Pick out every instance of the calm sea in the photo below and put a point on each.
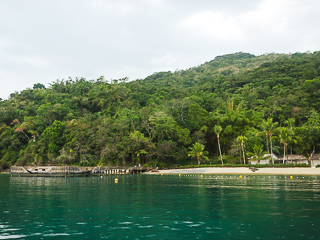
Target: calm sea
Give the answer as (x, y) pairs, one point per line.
(160, 207)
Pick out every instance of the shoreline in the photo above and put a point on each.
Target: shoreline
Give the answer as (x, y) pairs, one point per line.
(236, 170)
(243, 170)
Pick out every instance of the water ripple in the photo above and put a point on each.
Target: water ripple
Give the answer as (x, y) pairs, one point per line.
(5, 236)
(160, 207)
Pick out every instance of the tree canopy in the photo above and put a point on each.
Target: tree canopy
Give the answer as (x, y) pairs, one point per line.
(155, 120)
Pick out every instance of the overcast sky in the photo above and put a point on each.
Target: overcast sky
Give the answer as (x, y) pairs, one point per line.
(42, 41)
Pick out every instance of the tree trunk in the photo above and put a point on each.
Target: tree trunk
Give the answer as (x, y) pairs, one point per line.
(311, 161)
(25, 134)
(198, 157)
(244, 159)
(271, 153)
(267, 143)
(220, 151)
(284, 153)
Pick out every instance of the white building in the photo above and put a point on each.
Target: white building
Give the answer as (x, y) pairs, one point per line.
(267, 159)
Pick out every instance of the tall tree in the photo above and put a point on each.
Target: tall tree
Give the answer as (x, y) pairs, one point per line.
(285, 137)
(308, 136)
(242, 140)
(54, 137)
(290, 124)
(308, 140)
(217, 129)
(268, 127)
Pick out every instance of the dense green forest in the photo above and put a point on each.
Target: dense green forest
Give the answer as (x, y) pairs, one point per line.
(247, 105)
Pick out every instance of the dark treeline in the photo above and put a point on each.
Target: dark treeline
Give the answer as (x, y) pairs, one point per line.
(251, 104)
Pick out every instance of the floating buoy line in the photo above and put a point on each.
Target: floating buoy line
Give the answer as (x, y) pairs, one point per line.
(239, 176)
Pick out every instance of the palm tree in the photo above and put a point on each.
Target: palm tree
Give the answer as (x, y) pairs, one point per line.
(285, 137)
(242, 139)
(290, 124)
(197, 151)
(217, 129)
(230, 106)
(257, 154)
(268, 128)
(139, 155)
(271, 126)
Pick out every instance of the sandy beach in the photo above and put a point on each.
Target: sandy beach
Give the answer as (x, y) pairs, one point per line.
(225, 170)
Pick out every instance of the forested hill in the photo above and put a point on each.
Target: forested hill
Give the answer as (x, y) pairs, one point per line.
(158, 120)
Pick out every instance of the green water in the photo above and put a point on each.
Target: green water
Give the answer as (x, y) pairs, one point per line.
(160, 207)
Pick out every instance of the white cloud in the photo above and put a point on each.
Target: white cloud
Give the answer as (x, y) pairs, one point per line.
(34, 61)
(44, 41)
(11, 82)
(121, 7)
(165, 59)
(213, 24)
(4, 42)
(271, 15)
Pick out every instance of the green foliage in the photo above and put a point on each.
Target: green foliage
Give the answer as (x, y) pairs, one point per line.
(197, 151)
(286, 136)
(217, 129)
(53, 138)
(155, 120)
(38, 86)
(242, 140)
(257, 153)
(308, 139)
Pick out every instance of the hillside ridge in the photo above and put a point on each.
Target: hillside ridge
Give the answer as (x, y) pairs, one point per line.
(156, 120)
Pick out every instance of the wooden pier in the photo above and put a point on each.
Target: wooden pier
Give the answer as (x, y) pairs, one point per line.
(120, 170)
(73, 171)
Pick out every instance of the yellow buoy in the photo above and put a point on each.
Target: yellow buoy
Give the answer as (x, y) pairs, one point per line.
(116, 180)
(161, 174)
(202, 176)
(179, 175)
(240, 176)
(291, 177)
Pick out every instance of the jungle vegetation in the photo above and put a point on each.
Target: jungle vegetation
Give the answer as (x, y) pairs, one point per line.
(235, 105)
